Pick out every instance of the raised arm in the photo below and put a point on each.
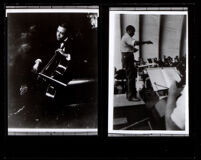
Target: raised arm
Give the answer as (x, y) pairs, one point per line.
(143, 42)
(173, 93)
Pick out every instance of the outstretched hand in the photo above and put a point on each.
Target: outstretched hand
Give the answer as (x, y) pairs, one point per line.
(149, 42)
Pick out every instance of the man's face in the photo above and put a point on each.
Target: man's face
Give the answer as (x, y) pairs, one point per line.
(131, 33)
(61, 33)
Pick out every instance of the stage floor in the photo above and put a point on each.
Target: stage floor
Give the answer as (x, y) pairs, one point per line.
(120, 100)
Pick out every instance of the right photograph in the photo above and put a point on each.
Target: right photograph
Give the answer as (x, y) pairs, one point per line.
(148, 72)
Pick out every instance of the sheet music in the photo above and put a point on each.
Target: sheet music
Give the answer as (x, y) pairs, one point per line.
(170, 74)
(156, 76)
(162, 78)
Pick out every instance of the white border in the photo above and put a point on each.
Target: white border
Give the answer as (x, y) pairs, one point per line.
(53, 10)
(49, 130)
(111, 77)
(52, 130)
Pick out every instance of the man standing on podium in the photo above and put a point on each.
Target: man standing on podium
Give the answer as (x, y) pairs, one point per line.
(127, 48)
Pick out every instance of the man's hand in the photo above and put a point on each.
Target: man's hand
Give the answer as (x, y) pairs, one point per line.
(23, 89)
(149, 42)
(36, 65)
(68, 56)
(174, 91)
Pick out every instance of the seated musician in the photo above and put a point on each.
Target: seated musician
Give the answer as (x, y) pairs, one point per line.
(175, 108)
(64, 47)
(59, 67)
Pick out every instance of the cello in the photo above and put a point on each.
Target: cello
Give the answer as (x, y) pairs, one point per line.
(53, 72)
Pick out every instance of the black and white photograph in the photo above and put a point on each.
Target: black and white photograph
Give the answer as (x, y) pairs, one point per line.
(52, 63)
(148, 72)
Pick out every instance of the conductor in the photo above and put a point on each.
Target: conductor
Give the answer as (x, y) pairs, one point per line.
(127, 48)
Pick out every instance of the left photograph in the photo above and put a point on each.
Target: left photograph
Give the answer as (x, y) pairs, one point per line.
(52, 71)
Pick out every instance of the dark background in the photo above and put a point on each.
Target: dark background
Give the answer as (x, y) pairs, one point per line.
(83, 35)
(101, 146)
(38, 32)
